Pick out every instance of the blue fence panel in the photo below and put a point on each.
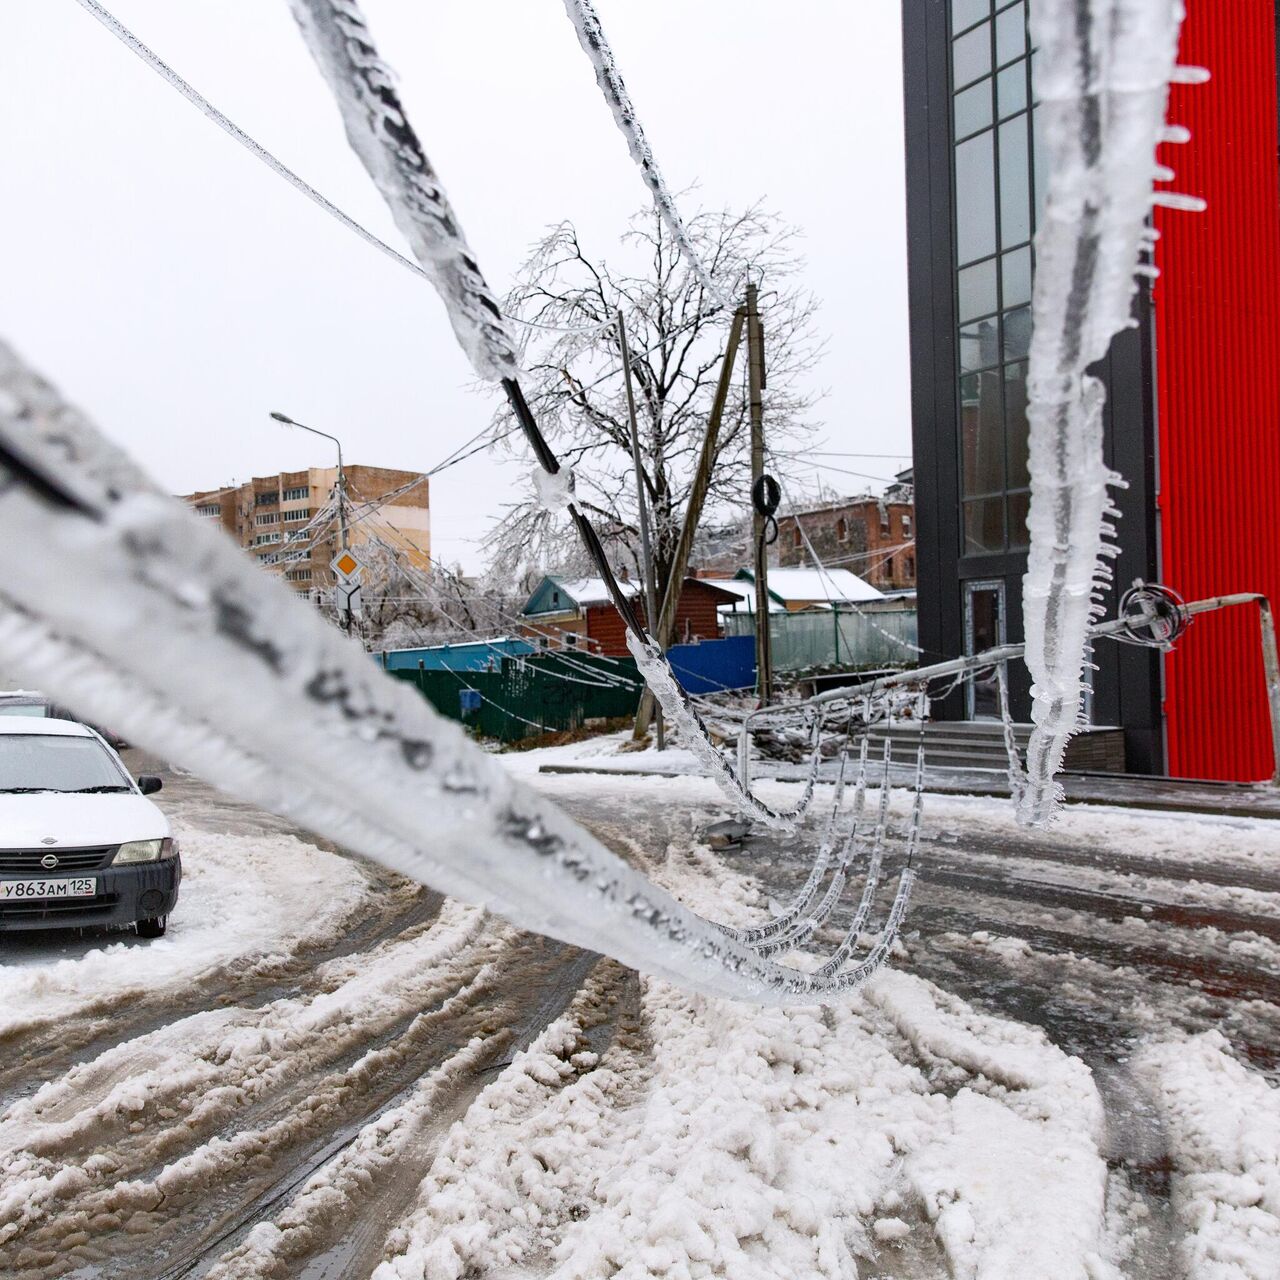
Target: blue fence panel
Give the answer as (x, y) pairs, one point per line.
(714, 665)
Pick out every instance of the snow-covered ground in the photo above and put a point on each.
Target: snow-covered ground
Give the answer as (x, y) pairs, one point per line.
(1068, 1071)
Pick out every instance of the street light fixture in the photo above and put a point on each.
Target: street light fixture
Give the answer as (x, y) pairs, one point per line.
(342, 483)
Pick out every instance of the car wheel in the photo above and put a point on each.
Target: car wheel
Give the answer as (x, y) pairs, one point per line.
(153, 928)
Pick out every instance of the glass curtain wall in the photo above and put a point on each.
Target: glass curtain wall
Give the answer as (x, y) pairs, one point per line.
(994, 220)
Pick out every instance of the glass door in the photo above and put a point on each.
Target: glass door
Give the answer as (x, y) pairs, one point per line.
(983, 629)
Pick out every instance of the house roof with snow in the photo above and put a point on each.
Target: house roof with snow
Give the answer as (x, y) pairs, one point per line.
(795, 588)
(746, 597)
(570, 595)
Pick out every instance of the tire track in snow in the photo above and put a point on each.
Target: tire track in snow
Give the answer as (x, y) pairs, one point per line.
(375, 1179)
(395, 908)
(129, 1193)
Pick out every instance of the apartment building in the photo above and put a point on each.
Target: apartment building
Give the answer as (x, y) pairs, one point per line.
(289, 521)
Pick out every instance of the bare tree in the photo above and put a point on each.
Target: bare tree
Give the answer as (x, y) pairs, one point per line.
(677, 338)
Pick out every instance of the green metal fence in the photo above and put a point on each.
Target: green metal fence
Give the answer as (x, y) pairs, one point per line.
(531, 695)
(835, 638)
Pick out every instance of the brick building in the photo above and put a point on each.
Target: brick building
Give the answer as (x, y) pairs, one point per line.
(280, 519)
(580, 611)
(873, 537)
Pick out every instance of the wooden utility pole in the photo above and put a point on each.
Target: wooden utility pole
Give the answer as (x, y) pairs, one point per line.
(642, 502)
(755, 369)
(693, 513)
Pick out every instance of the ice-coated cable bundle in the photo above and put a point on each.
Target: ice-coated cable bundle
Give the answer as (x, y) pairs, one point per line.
(795, 911)
(592, 39)
(807, 927)
(902, 896)
(129, 608)
(1102, 74)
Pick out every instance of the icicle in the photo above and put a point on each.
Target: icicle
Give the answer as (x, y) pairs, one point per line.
(1102, 76)
(554, 489)
(1017, 776)
(804, 929)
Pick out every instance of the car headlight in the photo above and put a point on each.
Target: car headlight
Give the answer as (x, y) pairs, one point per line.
(141, 851)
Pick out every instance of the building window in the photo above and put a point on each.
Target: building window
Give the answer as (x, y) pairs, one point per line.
(265, 497)
(302, 513)
(272, 557)
(299, 575)
(266, 539)
(906, 526)
(842, 530)
(909, 567)
(209, 509)
(993, 120)
(570, 640)
(292, 495)
(269, 518)
(797, 538)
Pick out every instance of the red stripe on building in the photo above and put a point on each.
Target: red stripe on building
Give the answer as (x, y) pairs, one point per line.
(1218, 367)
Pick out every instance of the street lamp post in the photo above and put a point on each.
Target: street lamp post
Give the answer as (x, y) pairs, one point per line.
(342, 483)
(341, 488)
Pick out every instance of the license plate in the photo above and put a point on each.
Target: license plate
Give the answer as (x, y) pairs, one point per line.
(63, 887)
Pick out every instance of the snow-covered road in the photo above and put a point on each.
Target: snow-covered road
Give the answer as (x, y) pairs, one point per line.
(322, 1071)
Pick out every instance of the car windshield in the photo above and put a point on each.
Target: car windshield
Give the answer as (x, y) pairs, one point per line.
(39, 709)
(43, 762)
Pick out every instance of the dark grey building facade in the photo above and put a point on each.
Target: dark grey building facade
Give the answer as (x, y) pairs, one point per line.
(973, 189)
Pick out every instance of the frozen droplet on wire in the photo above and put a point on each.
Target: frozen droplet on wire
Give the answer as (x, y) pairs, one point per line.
(554, 489)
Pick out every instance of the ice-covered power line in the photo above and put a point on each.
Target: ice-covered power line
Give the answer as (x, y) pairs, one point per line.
(1102, 73)
(290, 715)
(380, 133)
(256, 149)
(591, 36)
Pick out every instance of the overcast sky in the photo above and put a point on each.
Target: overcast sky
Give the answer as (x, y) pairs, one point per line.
(177, 290)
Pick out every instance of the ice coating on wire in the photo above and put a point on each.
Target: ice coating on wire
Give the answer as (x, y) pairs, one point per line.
(1102, 76)
(805, 929)
(788, 917)
(683, 717)
(236, 679)
(592, 39)
(378, 131)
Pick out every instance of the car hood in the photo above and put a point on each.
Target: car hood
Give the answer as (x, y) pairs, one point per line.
(27, 821)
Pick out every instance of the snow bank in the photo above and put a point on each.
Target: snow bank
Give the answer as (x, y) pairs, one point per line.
(1223, 1126)
(758, 1143)
(245, 899)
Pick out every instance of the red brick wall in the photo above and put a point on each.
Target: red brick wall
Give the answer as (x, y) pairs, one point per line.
(696, 618)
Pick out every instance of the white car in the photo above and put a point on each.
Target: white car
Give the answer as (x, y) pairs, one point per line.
(80, 843)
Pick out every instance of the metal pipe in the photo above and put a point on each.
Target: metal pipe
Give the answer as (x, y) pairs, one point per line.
(1271, 674)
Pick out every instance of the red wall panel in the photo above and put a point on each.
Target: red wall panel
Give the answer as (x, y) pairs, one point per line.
(1217, 310)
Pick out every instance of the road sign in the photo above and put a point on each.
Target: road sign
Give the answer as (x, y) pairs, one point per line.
(345, 566)
(346, 598)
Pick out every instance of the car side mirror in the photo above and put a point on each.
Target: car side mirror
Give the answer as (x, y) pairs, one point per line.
(149, 784)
